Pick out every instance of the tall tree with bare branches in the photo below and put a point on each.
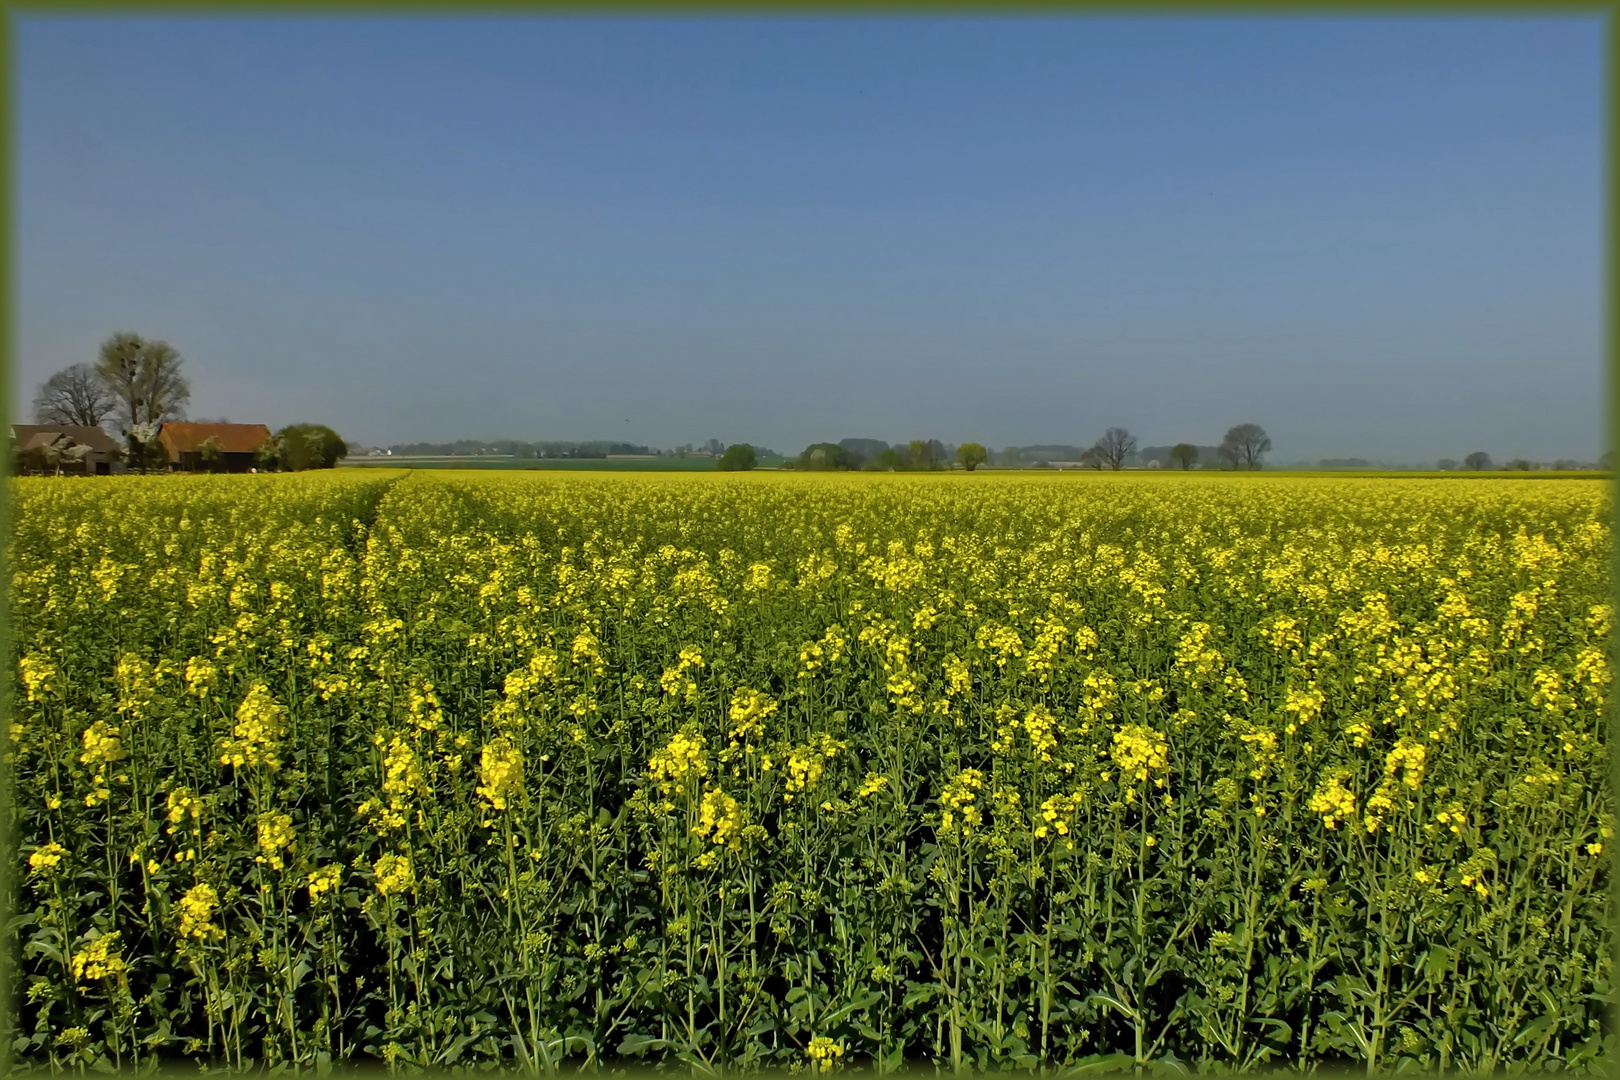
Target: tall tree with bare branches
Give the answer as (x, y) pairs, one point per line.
(1115, 446)
(74, 396)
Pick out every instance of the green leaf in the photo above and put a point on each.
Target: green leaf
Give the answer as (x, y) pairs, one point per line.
(640, 1044)
(1098, 1064)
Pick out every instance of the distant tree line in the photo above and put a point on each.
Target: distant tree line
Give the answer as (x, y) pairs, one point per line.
(1243, 448)
(518, 449)
(1480, 461)
(876, 455)
(559, 449)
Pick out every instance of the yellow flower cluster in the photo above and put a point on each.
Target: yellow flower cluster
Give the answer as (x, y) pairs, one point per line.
(749, 711)
(258, 728)
(1139, 752)
(324, 880)
(683, 761)
(873, 784)
(197, 909)
(202, 677)
(823, 1053)
(38, 676)
(98, 960)
(46, 857)
(500, 772)
(394, 874)
(959, 813)
(806, 764)
(102, 745)
(1403, 767)
(1057, 816)
(275, 836)
(1333, 800)
(720, 820)
(675, 680)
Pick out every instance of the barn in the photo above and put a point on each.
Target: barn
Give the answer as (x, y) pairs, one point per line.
(186, 445)
(40, 443)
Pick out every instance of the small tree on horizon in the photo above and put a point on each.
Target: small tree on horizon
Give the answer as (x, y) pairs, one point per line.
(823, 457)
(738, 458)
(1478, 461)
(971, 455)
(1115, 446)
(1184, 455)
(1244, 444)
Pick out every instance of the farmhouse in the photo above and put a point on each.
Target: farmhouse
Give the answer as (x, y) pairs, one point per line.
(237, 444)
(68, 448)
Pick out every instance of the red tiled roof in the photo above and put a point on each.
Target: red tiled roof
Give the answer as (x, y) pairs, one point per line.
(182, 438)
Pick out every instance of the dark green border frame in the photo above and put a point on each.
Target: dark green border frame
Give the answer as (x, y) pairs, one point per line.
(733, 8)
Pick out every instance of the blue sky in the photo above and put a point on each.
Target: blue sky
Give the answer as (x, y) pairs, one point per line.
(1375, 237)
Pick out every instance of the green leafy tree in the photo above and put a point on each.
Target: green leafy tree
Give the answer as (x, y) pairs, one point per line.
(1478, 461)
(739, 457)
(889, 459)
(145, 453)
(971, 455)
(144, 377)
(822, 457)
(267, 458)
(1185, 455)
(212, 457)
(309, 446)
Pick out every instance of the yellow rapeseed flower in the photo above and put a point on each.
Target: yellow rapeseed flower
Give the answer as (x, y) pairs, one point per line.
(500, 771)
(197, 909)
(394, 874)
(324, 880)
(46, 857)
(275, 836)
(98, 960)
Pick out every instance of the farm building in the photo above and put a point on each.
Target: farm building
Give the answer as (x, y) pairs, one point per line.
(187, 445)
(67, 448)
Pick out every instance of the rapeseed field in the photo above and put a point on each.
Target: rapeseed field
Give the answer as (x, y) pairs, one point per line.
(813, 772)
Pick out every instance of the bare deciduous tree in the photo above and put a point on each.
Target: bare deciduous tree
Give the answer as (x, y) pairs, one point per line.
(1115, 446)
(75, 396)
